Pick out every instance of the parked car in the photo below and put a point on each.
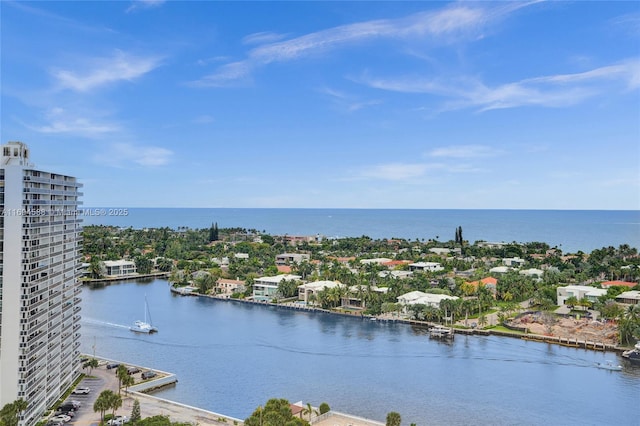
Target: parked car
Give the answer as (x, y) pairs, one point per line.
(148, 375)
(133, 370)
(51, 423)
(60, 418)
(118, 420)
(81, 391)
(112, 365)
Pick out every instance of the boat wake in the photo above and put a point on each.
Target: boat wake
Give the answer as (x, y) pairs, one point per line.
(103, 323)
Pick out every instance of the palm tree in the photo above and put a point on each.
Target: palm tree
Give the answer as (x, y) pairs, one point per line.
(102, 403)
(310, 411)
(121, 373)
(393, 419)
(91, 364)
(115, 402)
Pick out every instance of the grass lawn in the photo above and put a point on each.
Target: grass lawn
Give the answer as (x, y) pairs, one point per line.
(505, 329)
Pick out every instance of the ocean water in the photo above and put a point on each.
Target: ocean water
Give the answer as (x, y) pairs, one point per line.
(569, 230)
(230, 358)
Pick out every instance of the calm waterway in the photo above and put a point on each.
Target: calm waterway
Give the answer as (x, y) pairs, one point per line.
(232, 357)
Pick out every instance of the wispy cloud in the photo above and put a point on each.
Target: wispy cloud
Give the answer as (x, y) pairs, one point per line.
(346, 101)
(203, 119)
(98, 72)
(550, 91)
(408, 172)
(630, 23)
(460, 21)
(143, 4)
(263, 37)
(60, 120)
(124, 154)
(465, 151)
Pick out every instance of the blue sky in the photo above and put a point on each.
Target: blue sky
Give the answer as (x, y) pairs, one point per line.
(329, 104)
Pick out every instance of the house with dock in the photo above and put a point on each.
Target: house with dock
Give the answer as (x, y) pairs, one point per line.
(266, 288)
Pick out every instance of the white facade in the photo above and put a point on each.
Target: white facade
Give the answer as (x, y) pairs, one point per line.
(426, 266)
(306, 290)
(119, 268)
(421, 298)
(580, 292)
(40, 242)
(289, 258)
(267, 287)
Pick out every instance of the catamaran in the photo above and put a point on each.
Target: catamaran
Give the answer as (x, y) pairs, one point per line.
(144, 326)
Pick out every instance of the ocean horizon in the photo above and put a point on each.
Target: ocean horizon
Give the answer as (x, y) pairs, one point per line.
(569, 230)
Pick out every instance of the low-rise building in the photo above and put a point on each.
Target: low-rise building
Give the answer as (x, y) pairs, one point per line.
(306, 291)
(499, 270)
(627, 284)
(421, 298)
(119, 268)
(513, 261)
(226, 287)
(396, 273)
(579, 292)
(266, 288)
(426, 266)
(629, 297)
(289, 258)
(532, 272)
(489, 283)
(377, 260)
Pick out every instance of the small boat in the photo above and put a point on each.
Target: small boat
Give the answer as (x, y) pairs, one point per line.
(608, 365)
(144, 326)
(441, 332)
(633, 355)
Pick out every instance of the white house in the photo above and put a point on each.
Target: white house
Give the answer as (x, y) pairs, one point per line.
(426, 266)
(421, 298)
(513, 261)
(532, 272)
(579, 292)
(499, 270)
(306, 290)
(226, 287)
(288, 258)
(396, 273)
(377, 260)
(265, 288)
(119, 268)
(629, 297)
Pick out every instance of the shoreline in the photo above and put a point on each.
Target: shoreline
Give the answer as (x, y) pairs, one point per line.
(574, 343)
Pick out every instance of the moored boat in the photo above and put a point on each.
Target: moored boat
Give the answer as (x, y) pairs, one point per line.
(441, 332)
(633, 355)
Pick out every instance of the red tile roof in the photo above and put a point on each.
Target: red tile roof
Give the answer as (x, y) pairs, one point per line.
(618, 283)
(284, 269)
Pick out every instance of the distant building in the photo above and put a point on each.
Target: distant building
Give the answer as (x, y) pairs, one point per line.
(266, 288)
(532, 272)
(289, 258)
(513, 261)
(629, 297)
(499, 270)
(119, 268)
(579, 292)
(608, 284)
(421, 298)
(426, 267)
(225, 287)
(377, 260)
(305, 291)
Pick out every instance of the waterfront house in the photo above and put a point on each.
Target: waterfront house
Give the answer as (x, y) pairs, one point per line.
(305, 291)
(354, 299)
(425, 267)
(421, 298)
(119, 268)
(225, 287)
(579, 292)
(629, 297)
(489, 283)
(266, 288)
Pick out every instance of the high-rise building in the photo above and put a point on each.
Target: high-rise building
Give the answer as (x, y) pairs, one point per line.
(40, 243)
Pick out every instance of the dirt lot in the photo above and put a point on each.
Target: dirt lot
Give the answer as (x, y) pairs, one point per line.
(582, 329)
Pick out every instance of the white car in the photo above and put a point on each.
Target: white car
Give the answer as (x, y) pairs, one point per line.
(81, 391)
(118, 420)
(62, 418)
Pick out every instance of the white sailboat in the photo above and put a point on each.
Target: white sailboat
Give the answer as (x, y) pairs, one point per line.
(144, 326)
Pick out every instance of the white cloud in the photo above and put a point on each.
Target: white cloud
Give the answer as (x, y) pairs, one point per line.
(123, 154)
(102, 71)
(465, 151)
(262, 37)
(346, 101)
(143, 4)
(203, 119)
(559, 90)
(60, 120)
(443, 26)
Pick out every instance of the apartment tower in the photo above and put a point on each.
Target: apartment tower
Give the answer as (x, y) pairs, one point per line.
(40, 243)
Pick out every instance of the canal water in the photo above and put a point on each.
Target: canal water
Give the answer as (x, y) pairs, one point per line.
(232, 357)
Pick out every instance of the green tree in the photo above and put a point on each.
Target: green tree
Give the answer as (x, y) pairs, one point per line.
(91, 364)
(393, 419)
(310, 411)
(121, 373)
(11, 412)
(135, 411)
(571, 301)
(276, 412)
(324, 408)
(103, 403)
(127, 381)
